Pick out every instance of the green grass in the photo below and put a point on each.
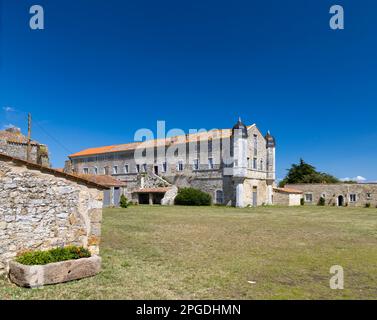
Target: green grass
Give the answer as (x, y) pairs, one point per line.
(212, 252)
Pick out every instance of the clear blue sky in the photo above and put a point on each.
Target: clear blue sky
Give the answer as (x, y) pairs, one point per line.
(102, 69)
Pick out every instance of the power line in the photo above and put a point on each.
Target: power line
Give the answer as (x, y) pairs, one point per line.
(53, 138)
(47, 133)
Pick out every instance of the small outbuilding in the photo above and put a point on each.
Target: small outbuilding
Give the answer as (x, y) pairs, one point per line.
(287, 197)
(115, 188)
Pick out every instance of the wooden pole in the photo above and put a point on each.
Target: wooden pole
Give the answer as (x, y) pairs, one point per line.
(28, 138)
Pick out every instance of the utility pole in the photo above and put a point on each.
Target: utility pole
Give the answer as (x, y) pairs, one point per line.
(28, 137)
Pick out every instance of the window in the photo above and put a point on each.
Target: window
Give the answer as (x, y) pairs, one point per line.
(85, 170)
(180, 165)
(196, 164)
(95, 170)
(369, 195)
(144, 167)
(255, 145)
(105, 170)
(115, 170)
(255, 163)
(138, 168)
(126, 168)
(219, 197)
(308, 197)
(210, 163)
(352, 197)
(210, 145)
(164, 167)
(261, 165)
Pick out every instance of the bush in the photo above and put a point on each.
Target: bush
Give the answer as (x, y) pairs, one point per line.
(53, 255)
(192, 197)
(321, 201)
(302, 202)
(367, 205)
(123, 202)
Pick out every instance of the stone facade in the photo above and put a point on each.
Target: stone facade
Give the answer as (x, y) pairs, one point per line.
(287, 197)
(341, 194)
(253, 154)
(41, 208)
(15, 144)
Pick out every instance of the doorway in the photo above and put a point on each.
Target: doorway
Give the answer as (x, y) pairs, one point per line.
(340, 201)
(156, 170)
(143, 198)
(255, 195)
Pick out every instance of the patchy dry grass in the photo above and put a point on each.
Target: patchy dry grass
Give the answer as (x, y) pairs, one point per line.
(212, 253)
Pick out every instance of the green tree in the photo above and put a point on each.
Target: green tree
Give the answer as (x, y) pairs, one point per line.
(306, 173)
(123, 202)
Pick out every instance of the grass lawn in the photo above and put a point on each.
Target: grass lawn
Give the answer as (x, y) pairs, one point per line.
(212, 252)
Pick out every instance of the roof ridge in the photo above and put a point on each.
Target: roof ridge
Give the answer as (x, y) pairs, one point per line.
(102, 149)
(48, 170)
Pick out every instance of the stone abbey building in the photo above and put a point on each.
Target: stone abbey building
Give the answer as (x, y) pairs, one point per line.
(235, 166)
(15, 144)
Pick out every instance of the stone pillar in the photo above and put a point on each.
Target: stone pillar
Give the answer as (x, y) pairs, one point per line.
(151, 198)
(111, 196)
(239, 195)
(270, 192)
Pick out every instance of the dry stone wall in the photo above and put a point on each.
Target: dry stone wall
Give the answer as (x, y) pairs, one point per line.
(41, 211)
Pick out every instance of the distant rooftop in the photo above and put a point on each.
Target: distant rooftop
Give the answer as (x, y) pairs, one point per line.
(223, 133)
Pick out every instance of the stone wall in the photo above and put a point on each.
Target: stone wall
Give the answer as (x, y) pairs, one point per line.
(42, 210)
(365, 193)
(286, 199)
(38, 152)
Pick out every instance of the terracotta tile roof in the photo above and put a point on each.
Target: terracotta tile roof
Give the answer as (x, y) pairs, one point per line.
(105, 180)
(152, 190)
(47, 170)
(15, 137)
(287, 190)
(214, 134)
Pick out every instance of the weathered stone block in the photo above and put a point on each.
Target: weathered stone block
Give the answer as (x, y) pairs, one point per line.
(95, 215)
(52, 273)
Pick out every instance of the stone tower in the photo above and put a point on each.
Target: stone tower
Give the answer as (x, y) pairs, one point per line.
(270, 165)
(239, 144)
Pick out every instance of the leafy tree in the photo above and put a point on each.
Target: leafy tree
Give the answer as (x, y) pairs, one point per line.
(123, 202)
(306, 173)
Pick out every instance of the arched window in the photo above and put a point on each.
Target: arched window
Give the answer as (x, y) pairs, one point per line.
(219, 197)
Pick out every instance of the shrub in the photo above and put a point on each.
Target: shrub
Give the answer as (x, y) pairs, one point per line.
(123, 202)
(192, 197)
(302, 202)
(321, 201)
(367, 205)
(53, 255)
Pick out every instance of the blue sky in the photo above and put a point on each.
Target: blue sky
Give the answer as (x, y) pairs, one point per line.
(103, 69)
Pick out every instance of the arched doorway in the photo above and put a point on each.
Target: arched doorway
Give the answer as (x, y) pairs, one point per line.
(340, 201)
